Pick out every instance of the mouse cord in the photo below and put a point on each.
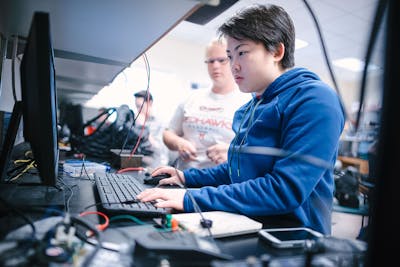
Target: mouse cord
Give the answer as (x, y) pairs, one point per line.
(205, 223)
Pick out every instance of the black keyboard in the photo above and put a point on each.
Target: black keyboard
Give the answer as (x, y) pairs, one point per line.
(118, 194)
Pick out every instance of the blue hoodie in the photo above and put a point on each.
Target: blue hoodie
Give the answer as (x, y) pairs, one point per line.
(298, 114)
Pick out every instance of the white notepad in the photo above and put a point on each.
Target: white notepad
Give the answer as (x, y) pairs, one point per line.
(224, 223)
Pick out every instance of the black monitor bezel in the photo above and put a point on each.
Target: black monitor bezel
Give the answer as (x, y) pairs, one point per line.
(39, 98)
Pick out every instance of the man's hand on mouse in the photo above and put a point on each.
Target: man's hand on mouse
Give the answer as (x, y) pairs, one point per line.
(177, 176)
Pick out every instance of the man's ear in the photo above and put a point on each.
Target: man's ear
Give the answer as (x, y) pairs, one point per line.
(279, 52)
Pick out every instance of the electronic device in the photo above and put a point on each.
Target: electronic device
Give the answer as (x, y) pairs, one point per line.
(38, 109)
(184, 247)
(154, 180)
(72, 116)
(223, 223)
(289, 237)
(323, 259)
(38, 105)
(118, 194)
(39, 99)
(9, 139)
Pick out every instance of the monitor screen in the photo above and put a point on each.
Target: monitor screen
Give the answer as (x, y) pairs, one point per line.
(38, 92)
(71, 115)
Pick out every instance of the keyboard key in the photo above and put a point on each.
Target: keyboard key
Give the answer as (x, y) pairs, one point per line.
(115, 189)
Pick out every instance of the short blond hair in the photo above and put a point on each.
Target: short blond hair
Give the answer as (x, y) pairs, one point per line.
(218, 41)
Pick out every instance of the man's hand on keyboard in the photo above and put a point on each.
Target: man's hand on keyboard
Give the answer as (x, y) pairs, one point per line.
(170, 198)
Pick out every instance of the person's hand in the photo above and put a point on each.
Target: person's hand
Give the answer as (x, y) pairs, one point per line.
(218, 153)
(187, 151)
(177, 176)
(168, 198)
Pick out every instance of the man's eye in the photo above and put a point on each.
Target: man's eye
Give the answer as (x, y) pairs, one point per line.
(223, 60)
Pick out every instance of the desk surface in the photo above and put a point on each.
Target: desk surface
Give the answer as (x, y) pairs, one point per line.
(360, 164)
(80, 193)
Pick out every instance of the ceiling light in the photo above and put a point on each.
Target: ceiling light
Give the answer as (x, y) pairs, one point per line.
(353, 64)
(300, 44)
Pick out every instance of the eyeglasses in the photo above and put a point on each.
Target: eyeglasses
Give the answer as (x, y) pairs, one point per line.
(220, 60)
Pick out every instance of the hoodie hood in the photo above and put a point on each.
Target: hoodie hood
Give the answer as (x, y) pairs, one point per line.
(290, 79)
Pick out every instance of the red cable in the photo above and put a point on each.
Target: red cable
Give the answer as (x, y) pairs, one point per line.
(142, 129)
(130, 169)
(100, 227)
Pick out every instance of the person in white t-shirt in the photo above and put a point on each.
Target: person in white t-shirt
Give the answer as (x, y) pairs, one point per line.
(146, 116)
(201, 128)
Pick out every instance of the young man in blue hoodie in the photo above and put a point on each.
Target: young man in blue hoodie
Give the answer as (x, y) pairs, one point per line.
(280, 163)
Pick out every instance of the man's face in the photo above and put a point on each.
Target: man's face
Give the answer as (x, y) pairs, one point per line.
(253, 67)
(218, 64)
(146, 105)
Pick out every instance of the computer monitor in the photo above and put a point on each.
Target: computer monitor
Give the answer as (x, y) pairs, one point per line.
(38, 92)
(72, 116)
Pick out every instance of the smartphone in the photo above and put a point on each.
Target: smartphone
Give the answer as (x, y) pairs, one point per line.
(289, 237)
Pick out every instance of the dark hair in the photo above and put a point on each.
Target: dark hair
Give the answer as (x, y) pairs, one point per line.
(143, 94)
(268, 24)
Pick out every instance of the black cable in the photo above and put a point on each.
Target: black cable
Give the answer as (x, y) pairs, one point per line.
(326, 56)
(95, 205)
(19, 254)
(11, 207)
(235, 139)
(14, 56)
(79, 178)
(81, 221)
(380, 9)
(147, 66)
(67, 202)
(83, 166)
(73, 221)
(129, 131)
(4, 47)
(205, 223)
(83, 169)
(335, 246)
(132, 201)
(246, 134)
(175, 162)
(85, 239)
(25, 250)
(108, 111)
(25, 245)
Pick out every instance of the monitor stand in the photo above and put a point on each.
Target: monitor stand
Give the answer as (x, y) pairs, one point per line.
(28, 192)
(32, 195)
(9, 139)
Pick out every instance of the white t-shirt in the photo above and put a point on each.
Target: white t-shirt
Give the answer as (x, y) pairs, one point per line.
(160, 150)
(205, 119)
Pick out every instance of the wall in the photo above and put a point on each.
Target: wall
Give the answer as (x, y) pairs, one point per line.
(6, 95)
(174, 67)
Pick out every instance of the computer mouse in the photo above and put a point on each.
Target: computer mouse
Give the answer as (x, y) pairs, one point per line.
(153, 180)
